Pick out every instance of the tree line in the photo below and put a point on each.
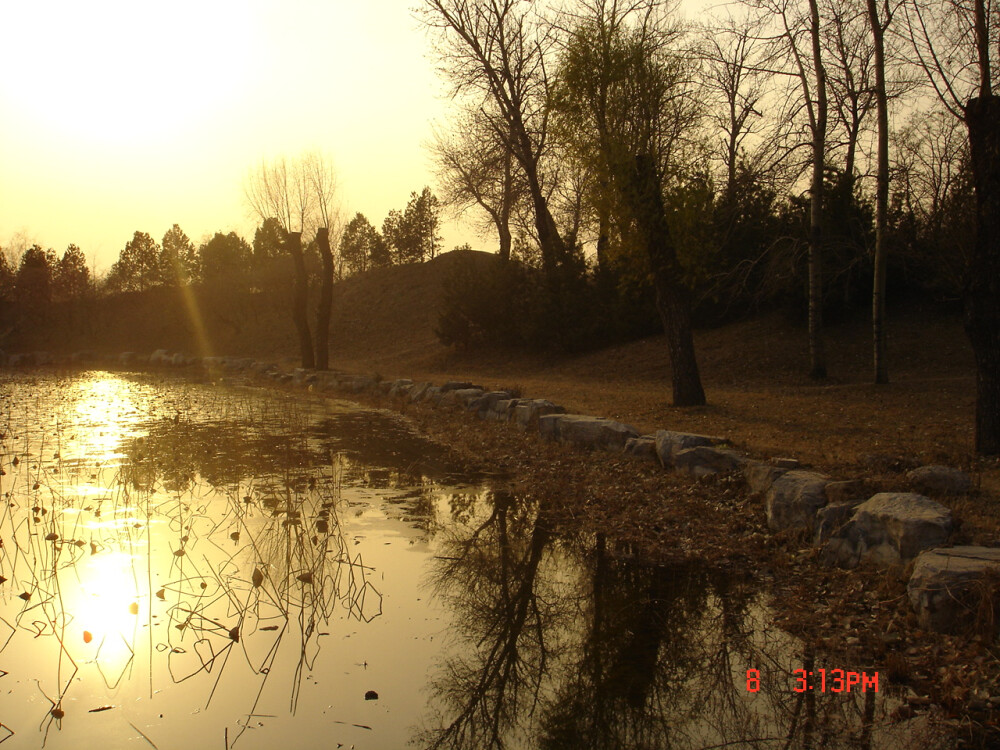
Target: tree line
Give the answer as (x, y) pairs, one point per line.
(814, 152)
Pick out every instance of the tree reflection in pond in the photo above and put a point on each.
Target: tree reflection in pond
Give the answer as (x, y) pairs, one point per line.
(576, 644)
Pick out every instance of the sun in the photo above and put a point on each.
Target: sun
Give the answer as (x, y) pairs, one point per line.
(122, 73)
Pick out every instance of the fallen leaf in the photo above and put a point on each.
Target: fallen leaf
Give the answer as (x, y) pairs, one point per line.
(133, 608)
(235, 634)
(87, 636)
(162, 594)
(258, 578)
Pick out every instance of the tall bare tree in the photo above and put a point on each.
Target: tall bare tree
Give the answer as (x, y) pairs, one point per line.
(878, 23)
(476, 168)
(320, 176)
(282, 191)
(952, 42)
(799, 35)
(495, 51)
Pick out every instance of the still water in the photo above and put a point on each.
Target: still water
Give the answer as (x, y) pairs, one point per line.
(196, 565)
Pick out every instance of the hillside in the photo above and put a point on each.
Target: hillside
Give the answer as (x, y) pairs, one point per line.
(384, 320)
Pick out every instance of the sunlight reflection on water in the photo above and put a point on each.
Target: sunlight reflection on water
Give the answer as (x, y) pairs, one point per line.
(188, 565)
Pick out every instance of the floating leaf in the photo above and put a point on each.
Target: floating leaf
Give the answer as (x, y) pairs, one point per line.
(133, 608)
(371, 695)
(306, 577)
(162, 594)
(26, 596)
(185, 538)
(79, 542)
(51, 536)
(258, 578)
(235, 536)
(179, 553)
(93, 548)
(270, 627)
(204, 585)
(99, 709)
(87, 636)
(16, 461)
(3, 580)
(35, 486)
(235, 634)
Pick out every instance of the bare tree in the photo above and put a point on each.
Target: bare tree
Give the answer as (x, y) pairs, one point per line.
(878, 23)
(320, 177)
(495, 52)
(475, 168)
(282, 191)
(799, 37)
(952, 43)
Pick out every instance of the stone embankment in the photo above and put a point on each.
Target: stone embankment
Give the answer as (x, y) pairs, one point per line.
(847, 524)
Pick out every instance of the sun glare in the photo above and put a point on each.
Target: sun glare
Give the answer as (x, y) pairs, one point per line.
(123, 73)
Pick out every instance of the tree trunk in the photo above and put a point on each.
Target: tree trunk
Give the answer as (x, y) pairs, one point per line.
(881, 199)
(293, 243)
(325, 300)
(817, 354)
(673, 301)
(982, 283)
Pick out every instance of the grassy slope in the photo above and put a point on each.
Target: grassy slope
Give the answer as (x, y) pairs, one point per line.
(753, 372)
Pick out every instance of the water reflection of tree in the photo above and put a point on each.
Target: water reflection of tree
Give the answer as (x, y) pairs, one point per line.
(573, 644)
(492, 580)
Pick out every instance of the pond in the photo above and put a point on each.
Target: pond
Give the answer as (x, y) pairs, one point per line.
(200, 565)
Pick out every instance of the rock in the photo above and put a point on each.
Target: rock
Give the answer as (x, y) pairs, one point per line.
(528, 411)
(126, 359)
(460, 397)
(179, 360)
(3, 358)
(830, 519)
(702, 461)
(940, 480)
(363, 383)
(400, 387)
(668, 443)
(793, 498)
(457, 385)
(485, 406)
(419, 391)
(787, 463)
(504, 409)
(889, 528)
(761, 475)
(581, 429)
(947, 585)
(643, 446)
(846, 491)
(160, 358)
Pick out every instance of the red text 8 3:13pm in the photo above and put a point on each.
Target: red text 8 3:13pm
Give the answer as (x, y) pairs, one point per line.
(822, 681)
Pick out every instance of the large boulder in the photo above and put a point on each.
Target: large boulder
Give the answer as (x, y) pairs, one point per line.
(460, 397)
(793, 498)
(760, 475)
(940, 480)
(527, 411)
(161, 358)
(485, 406)
(643, 446)
(703, 461)
(581, 429)
(419, 391)
(889, 528)
(400, 387)
(948, 585)
(669, 443)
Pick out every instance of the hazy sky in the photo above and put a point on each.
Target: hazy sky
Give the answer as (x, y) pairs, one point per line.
(135, 115)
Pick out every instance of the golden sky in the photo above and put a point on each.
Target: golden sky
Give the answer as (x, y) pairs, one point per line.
(126, 115)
